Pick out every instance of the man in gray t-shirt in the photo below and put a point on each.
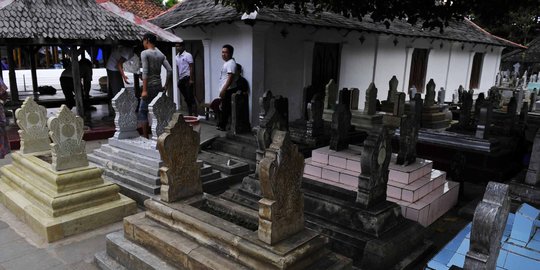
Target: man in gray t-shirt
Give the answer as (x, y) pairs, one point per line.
(152, 59)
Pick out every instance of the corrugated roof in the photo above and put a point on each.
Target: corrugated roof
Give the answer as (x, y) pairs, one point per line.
(202, 12)
(81, 20)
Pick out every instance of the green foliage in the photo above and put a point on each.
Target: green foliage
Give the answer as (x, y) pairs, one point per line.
(170, 3)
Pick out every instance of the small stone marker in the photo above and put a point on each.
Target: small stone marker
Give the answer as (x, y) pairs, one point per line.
(430, 94)
(408, 135)
(68, 149)
(460, 91)
(484, 121)
(412, 92)
(441, 96)
(125, 120)
(264, 104)
(32, 121)
(331, 95)
(281, 209)
(275, 118)
(370, 107)
(315, 123)
(240, 113)
(511, 109)
(399, 104)
(487, 228)
(160, 110)
(465, 110)
(478, 104)
(392, 89)
(180, 173)
(533, 172)
(375, 159)
(341, 122)
(355, 96)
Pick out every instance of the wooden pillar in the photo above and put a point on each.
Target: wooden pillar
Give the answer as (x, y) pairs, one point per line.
(12, 78)
(77, 82)
(47, 57)
(33, 72)
(19, 58)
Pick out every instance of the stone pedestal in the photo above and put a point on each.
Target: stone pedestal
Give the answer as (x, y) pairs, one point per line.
(423, 193)
(364, 121)
(433, 117)
(57, 204)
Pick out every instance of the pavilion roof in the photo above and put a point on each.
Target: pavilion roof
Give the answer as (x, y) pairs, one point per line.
(78, 22)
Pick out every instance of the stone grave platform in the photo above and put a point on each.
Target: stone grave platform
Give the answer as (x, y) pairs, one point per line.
(50, 186)
(423, 193)
(434, 118)
(364, 121)
(205, 232)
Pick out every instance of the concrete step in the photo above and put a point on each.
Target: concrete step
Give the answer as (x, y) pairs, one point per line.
(206, 169)
(219, 162)
(146, 165)
(213, 174)
(126, 180)
(122, 252)
(122, 169)
(149, 161)
(133, 193)
(235, 148)
(181, 251)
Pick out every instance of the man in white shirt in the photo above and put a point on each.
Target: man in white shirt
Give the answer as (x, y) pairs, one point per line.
(227, 84)
(184, 63)
(115, 70)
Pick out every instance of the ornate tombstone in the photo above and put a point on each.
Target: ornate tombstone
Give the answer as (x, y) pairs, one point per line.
(180, 173)
(160, 110)
(532, 107)
(487, 228)
(480, 100)
(315, 123)
(370, 107)
(68, 149)
(465, 111)
(375, 159)
(412, 92)
(441, 96)
(341, 122)
(484, 121)
(430, 94)
(408, 136)
(460, 91)
(264, 104)
(355, 96)
(125, 120)
(392, 90)
(494, 97)
(399, 104)
(240, 113)
(331, 95)
(32, 121)
(281, 208)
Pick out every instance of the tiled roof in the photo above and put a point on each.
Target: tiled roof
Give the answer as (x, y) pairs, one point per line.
(145, 9)
(531, 55)
(201, 12)
(64, 19)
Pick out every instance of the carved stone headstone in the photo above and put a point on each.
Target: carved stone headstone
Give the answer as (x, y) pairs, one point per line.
(480, 100)
(412, 92)
(519, 99)
(370, 107)
(399, 104)
(495, 97)
(125, 120)
(484, 121)
(511, 109)
(68, 149)
(533, 172)
(355, 96)
(524, 114)
(281, 209)
(441, 96)
(180, 173)
(32, 121)
(276, 118)
(408, 133)
(487, 228)
(532, 107)
(392, 89)
(160, 110)
(460, 91)
(430, 94)
(465, 110)
(315, 123)
(264, 104)
(341, 122)
(375, 159)
(240, 113)
(331, 95)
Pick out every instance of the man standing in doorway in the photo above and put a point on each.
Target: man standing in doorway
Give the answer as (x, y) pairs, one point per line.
(227, 84)
(184, 63)
(152, 59)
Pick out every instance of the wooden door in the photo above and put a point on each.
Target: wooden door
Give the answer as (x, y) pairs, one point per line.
(325, 67)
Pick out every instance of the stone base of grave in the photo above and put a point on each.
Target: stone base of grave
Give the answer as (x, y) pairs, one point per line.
(59, 204)
(205, 232)
(387, 107)
(365, 122)
(523, 193)
(327, 115)
(239, 145)
(133, 164)
(434, 118)
(299, 134)
(373, 238)
(423, 193)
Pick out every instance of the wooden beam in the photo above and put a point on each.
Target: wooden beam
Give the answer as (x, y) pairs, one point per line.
(33, 72)
(12, 77)
(19, 58)
(77, 82)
